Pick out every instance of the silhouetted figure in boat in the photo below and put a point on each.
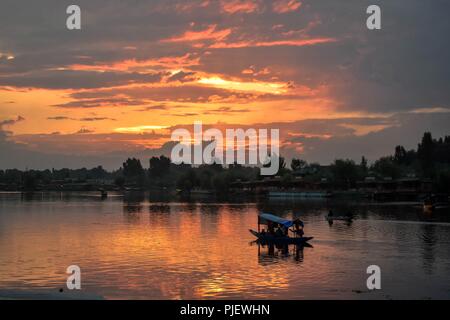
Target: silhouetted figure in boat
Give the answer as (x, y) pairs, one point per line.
(298, 228)
(349, 216)
(330, 215)
(279, 232)
(270, 228)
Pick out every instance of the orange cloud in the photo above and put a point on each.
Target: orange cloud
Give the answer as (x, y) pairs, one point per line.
(247, 71)
(274, 43)
(210, 33)
(135, 65)
(192, 5)
(140, 129)
(239, 6)
(9, 122)
(283, 6)
(252, 70)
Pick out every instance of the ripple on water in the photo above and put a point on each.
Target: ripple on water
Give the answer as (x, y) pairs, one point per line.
(193, 251)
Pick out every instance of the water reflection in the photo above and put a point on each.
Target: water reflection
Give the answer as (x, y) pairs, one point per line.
(428, 247)
(136, 246)
(348, 223)
(132, 206)
(271, 253)
(159, 208)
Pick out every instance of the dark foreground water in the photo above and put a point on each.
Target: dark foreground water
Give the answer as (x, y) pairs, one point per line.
(133, 248)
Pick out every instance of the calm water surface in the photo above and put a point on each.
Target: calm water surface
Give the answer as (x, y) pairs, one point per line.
(133, 248)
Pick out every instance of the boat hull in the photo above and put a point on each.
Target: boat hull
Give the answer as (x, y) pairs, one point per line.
(279, 240)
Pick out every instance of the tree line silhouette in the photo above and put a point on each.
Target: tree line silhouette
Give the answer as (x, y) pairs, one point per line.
(431, 161)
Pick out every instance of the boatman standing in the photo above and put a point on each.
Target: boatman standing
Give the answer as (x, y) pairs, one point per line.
(298, 228)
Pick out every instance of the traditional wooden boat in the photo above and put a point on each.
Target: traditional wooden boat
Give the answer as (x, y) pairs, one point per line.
(272, 221)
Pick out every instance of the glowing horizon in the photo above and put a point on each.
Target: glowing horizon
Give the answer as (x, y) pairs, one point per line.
(318, 75)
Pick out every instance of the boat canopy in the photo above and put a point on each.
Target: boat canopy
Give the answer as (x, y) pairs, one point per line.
(264, 217)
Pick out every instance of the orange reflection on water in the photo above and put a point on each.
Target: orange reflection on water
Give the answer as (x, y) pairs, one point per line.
(178, 251)
(174, 250)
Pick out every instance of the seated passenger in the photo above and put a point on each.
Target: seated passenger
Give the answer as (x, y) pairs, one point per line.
(279, 232)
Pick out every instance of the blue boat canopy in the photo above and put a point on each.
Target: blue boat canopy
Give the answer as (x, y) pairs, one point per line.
(270, 217)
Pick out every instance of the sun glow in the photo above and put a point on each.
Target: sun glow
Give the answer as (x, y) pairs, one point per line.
(263, 87)
(139, 129)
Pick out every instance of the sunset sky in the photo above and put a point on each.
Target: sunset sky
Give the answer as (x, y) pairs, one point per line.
(138, 69)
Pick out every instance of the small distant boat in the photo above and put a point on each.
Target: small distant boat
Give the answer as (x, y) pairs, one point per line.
(429, 208)
(435, 202)
(339, 218)
(272, 220)
(103, 194)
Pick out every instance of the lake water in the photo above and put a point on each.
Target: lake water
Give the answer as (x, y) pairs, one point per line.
(129, 247)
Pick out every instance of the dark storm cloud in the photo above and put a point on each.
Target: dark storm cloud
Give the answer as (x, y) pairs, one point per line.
(64, 79)
(71, 151)
(103, 102)
(161, 107)
(92, 119)
(9, 122)
(155, 107)
(224, 110)
(182, 77)
(190, 93)
(16, 155)
(308, 141)
(185, 114)
(59, 118)
(86, 119)
(406, 130)
(403, 66)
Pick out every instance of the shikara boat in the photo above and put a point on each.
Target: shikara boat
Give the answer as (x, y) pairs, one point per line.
(266, 237)
(339, 218)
